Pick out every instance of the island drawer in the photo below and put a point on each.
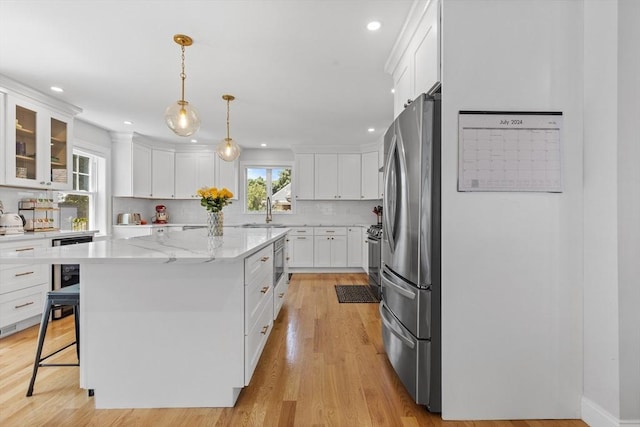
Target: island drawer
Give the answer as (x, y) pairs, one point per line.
(280, 292)
(301, 231)
(256, 339)
(19, 305)
(14, 277)
(256, 295)
(258, 264)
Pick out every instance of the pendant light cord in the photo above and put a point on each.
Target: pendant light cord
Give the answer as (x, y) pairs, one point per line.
(182, 74)
(228, 121)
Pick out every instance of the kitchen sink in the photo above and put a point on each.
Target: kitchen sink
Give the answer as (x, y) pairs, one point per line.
(262, 225)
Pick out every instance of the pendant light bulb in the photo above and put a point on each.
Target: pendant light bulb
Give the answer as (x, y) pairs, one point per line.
(228, 150)
(182, 118)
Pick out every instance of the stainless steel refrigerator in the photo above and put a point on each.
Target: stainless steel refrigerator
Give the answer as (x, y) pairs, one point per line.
(410, 278)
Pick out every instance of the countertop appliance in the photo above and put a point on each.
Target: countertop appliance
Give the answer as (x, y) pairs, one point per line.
(129, 219)
(64, 275)
(161, 215)
(374, 234)
(410, 278)
(11, 223)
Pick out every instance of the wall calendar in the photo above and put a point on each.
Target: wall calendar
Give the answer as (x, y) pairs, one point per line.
(509, 151)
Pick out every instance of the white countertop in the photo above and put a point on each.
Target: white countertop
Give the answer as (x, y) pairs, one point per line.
(191, 246)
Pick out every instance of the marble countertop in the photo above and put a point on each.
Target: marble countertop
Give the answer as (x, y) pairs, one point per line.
(28, 235)
(190, 246)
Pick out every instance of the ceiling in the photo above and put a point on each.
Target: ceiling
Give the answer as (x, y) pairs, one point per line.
(304, 72)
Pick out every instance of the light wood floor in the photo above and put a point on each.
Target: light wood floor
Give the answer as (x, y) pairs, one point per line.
(324, 365)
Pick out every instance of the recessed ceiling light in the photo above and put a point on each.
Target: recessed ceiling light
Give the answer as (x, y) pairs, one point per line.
(371, 130)
(373, 26)
(194, 140)
(393, 90)
(127, 122)
(57, 89)
(263, 145)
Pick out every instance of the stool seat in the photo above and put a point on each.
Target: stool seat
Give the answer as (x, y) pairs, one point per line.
(67, 296)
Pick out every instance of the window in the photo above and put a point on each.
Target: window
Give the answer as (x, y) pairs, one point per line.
(263, 182)
(78, 206)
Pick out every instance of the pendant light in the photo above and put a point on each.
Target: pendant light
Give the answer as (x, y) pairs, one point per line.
(228, 150)
(181, 117)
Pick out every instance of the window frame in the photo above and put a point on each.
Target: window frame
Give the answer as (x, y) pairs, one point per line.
(264, 164)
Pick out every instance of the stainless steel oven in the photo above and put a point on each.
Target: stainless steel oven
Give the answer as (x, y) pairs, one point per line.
(64, 275)
(278, 260)
(374, 234)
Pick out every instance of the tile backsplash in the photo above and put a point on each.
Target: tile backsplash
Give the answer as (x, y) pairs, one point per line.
(306, 211)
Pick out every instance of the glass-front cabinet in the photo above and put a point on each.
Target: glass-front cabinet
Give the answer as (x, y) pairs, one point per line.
(38, 148)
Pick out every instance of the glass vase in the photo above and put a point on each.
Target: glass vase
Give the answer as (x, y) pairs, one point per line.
(215, 222)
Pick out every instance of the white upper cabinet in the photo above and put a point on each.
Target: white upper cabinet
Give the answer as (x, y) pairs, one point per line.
(414, 62)
(226, 175)
(337, 176)
(162, 174)
(38, 148)
(349, 176)
(140, 173)
(326, 176)
(304, 176)
(370, 175)
(193, 170)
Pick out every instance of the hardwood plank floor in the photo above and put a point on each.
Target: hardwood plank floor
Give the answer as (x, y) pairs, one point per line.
(324, 365)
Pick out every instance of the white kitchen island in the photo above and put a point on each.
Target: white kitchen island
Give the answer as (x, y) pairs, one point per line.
(176, 320)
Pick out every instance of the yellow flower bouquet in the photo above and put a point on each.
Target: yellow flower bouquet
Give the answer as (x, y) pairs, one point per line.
(213, 199)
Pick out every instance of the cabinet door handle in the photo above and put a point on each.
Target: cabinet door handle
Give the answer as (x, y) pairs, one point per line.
(288, 258)
(42, 183)
(23, 305)
(264, 330)
(281, 295)
(24, 249)
(264, 259)
(265, 289)
(24, 274)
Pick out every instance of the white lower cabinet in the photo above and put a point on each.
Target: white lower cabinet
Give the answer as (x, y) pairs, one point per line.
(330, 247)
(354, 247)
(258, 303)
(22, 287)
(300, 247)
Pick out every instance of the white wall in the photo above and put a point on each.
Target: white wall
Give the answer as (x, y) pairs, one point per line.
(512, 262)
(601, 349)
(612, 214)
(629, 207)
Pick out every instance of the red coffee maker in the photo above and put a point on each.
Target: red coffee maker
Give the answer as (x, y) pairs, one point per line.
(161, 215)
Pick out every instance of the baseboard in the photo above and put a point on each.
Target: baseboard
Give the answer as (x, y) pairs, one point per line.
(596, 416)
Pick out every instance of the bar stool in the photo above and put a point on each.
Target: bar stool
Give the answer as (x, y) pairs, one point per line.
(68, 296)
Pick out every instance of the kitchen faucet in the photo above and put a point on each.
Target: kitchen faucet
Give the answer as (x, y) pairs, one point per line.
(269, 215)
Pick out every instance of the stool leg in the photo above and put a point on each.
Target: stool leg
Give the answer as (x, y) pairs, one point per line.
(76, 314)
(41, 334)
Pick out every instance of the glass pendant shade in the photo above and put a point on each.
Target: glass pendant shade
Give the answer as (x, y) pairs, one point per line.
(228, 150)
(182, 118)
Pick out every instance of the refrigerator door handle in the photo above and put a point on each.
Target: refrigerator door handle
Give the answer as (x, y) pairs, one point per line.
(388, 212)
(399, 287)
(395, 330)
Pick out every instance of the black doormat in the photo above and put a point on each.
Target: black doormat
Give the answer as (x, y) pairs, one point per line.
(354, 293)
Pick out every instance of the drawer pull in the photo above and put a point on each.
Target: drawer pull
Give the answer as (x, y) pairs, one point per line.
(265, 289)
(301, 238)
(301, 231)
(24, 274)
(281, 295)
(24, 249)
(23, 305)
(264, 329)
(330, 231)
(264, 259)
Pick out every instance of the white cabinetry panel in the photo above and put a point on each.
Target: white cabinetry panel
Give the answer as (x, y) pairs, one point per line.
(140, 171)
(370, 175)
(162, 174)
(304, 176)
(193, 170)
(354, 247)
(226, 175)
